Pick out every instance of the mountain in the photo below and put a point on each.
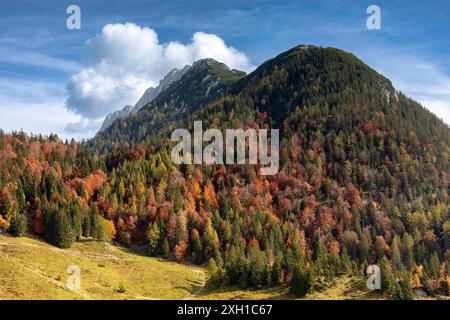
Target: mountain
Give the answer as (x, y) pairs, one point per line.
(364, 173)
(306, 78)
(184, 88)
(110, 118)
(199, 84)
(149, 95)
(203, 82)
(363, 179)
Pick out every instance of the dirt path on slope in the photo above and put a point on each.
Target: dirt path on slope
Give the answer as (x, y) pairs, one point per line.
(43, 275)
(91, 255)
(64, 251)
(199, 290)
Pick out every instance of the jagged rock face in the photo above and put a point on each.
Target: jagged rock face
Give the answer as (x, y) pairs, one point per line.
(180, 88)
(203, 81)
(149, 95)
(110, 118)
(164, 84)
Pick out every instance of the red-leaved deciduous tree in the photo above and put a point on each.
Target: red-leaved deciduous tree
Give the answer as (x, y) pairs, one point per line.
(180, 250)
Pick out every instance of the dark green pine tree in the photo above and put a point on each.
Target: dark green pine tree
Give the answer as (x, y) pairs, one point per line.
(276, 271)
(165, 249)
(49, 222)
(76, 219)
(257, 276)
(97, 227)
(19, 224)
(86, 226)
(404, 290)
(215, 274)
(6, 205)
(93, 213)
(197, 250)
(301, 282)
(64, 235)
(388, 285)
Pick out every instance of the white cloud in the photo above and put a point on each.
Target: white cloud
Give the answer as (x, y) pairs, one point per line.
(38, 118)
(36, 106)
(125, 59)
(83, 128)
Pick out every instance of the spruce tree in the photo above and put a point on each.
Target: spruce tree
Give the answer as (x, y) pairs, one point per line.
(215, 274)
(153, 236)
(165, 250)
(197, 250)
(19, 224)
(301, 282)
(388, 286)
(396, 258)
(93, 215)
(86, 226)
(404, 289)
(276, 271)
(6, 205)
(346, 263)
(64, 236)
(76, 220)
(49, 223)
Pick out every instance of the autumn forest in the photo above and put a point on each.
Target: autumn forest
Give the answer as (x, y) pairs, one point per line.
(364, 179)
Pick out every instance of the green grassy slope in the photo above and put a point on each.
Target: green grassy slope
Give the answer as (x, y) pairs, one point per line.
(33, 269)
(344, 288)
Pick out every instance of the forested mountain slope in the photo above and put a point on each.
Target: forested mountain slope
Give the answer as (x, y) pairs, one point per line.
(199, 84)
(364, 178)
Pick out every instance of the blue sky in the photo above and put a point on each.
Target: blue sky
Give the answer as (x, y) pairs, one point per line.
(57, 80)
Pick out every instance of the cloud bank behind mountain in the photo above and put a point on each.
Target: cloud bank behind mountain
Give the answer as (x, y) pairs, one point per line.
(125, 59)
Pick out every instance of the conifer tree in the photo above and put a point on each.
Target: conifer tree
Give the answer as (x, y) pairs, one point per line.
(64, 236)
(396, 258)
(153, 237)
(301, 282)
(19, 224)
(388, 285)
(197, 250)
(215, 274)
(76, 220)
(86, 226)
(6, 205)
(404, 288)
(165, 249)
